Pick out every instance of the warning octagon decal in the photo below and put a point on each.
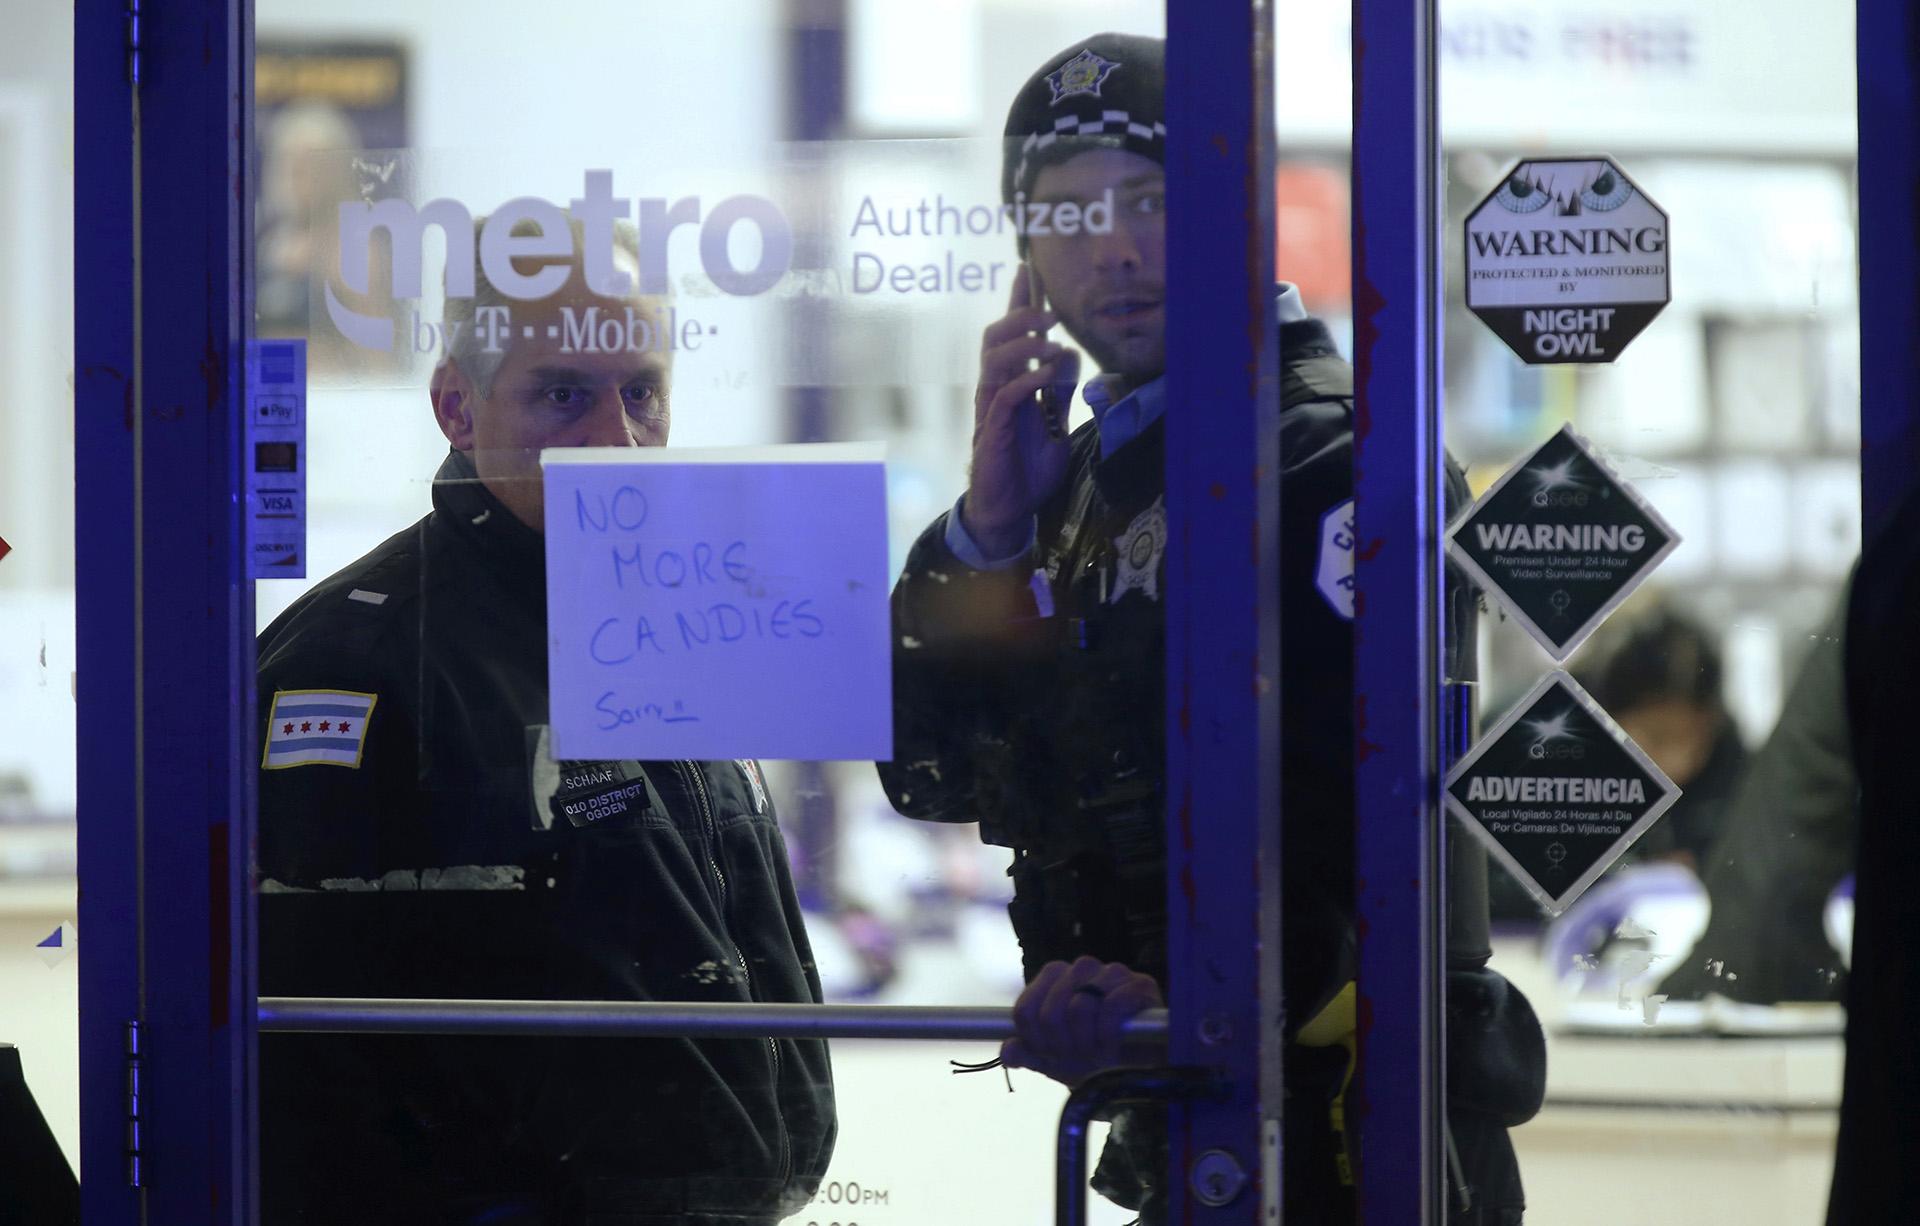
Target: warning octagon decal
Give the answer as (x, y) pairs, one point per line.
(1567, 260)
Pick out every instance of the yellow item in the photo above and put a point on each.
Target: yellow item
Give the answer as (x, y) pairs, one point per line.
(1337, 1025)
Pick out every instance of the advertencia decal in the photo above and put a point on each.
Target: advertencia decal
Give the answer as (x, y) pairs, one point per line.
(1561, 540)
(1558, 792)
(1567, 260)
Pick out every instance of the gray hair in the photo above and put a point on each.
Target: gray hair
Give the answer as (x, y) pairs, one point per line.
(464, 349)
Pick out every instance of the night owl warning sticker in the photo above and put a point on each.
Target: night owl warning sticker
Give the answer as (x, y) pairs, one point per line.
(1557, 792)
(1560, 541)
(1567, 260)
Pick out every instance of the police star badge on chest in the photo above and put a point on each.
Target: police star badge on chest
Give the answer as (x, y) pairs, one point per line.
(1138, 553)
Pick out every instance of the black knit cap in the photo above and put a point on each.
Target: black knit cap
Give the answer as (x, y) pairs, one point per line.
(1108, 90)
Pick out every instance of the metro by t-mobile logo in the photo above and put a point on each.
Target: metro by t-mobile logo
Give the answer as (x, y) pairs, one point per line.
(596, 210)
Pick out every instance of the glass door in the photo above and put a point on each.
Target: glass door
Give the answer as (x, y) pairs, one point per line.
(1653, 337)
(1689, 582)
(547, 557)
(580, 390)
(630, 729)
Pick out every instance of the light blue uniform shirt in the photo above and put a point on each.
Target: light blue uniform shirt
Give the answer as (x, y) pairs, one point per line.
(1119, 423)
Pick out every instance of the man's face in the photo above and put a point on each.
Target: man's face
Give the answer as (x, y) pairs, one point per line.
(1678, 735)
(1109, 290)
(543, 397)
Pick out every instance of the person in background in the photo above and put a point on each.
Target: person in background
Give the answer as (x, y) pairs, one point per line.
(1875, 1176)
(40, 1185)
(1657, 672)
(1786, 840)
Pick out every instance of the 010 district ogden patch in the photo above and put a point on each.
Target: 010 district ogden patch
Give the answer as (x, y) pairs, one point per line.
(316, 728)
(586, 793)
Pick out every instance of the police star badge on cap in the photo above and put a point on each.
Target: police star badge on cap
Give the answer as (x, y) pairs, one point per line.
(1083, 74)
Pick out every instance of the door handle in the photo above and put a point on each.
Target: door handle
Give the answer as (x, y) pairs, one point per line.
(1099, 1093)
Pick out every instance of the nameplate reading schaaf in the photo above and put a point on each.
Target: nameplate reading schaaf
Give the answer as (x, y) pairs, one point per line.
(718, 602)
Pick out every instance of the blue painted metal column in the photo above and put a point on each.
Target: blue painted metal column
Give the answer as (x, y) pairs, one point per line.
(1398, 485)
(106, 672)
(1222, 610)
(1889, 84)
(165, 679)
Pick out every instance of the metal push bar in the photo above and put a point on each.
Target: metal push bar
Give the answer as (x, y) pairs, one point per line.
(656, 1019)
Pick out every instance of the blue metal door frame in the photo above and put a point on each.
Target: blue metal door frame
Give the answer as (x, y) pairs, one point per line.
(1888, 50)
(111, 987)
(1222, 614)
(165, 615)
(1399, 568)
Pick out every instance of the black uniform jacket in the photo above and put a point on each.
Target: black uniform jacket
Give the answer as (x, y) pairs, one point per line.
(1874, 1157)
(1046, 725)
(1031, 699)
(457, 859)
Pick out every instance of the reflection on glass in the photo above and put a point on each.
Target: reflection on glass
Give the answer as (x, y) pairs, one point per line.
(420, 838)
(39, 962)
(866, 329)
(1029, 655)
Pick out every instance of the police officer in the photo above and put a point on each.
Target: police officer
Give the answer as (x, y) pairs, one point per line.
(1030, 629)
(418, 838)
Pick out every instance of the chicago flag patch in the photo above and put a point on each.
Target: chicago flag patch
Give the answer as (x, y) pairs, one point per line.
(316, 727)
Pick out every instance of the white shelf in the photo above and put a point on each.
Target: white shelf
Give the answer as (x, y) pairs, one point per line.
(55, 897)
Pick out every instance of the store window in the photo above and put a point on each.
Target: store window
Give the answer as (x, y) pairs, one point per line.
(813, 214)
(1735, 415)
(1704, 969)
(39, 966)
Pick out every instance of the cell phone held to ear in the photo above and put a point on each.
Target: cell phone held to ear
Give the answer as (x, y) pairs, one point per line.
(1057, 396)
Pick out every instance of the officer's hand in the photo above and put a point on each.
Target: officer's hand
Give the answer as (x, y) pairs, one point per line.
(1016, 463)
(1069, 1018)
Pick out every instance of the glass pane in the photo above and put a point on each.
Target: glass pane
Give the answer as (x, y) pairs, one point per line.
(1313, 261)
(1690, 993)
(833, 242)
(39, 974)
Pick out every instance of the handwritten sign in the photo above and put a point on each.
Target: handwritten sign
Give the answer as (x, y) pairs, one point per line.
(718, 603)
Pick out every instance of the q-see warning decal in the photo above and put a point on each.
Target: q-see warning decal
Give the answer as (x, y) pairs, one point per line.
(1557, 792)
(1560, 540)
(1567, 260)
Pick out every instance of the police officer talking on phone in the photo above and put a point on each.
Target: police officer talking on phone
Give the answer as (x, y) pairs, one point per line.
(419, 838)
(1029, 643)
